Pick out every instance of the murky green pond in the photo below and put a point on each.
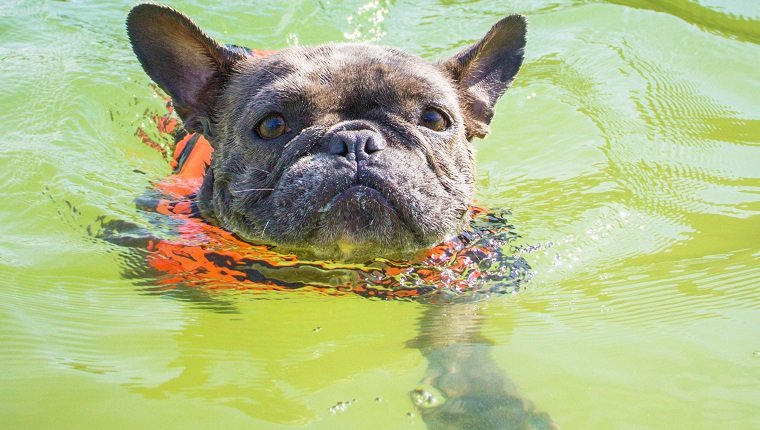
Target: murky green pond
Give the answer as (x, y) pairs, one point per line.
(628, 151)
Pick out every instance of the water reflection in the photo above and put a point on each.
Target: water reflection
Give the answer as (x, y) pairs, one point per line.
(464, 388)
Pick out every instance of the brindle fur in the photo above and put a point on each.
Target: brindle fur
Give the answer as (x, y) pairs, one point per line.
(292, 191)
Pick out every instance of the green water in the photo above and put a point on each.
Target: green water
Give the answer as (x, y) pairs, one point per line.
(628, 151)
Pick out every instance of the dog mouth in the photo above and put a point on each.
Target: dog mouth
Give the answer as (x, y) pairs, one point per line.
(362, 218)
(339, 213)
(359, 196)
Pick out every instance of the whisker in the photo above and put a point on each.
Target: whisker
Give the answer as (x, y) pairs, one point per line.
(252, 189)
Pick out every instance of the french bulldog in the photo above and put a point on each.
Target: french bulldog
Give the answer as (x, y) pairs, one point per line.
(342, 149)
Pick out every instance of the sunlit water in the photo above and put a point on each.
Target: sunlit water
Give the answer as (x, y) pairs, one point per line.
(627, 151)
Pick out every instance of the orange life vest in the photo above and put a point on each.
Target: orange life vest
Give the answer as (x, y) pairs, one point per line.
(201, 254)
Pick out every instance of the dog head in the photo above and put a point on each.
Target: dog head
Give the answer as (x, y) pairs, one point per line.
(338, 148)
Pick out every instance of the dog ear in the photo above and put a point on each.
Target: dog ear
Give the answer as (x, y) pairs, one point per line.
(485, 70)
(185, 62)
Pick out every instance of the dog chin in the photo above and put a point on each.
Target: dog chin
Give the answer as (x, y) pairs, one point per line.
(360, 222)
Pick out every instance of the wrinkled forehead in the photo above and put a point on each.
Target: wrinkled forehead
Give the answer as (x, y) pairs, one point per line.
(347, 77)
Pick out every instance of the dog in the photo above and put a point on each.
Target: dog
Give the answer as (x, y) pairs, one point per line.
(343, 149)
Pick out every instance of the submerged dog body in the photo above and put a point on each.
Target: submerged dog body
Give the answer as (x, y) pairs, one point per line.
(343, 149)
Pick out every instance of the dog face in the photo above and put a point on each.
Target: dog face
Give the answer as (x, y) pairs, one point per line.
(344, 149)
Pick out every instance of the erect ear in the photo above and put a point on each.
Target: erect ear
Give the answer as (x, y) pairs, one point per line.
(185, 62)
(484, 71)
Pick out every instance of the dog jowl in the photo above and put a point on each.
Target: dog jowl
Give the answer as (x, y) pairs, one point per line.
(341, 149)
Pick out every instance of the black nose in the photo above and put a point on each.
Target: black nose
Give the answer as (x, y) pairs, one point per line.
(355, 145)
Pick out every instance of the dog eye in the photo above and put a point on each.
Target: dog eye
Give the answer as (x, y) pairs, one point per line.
(434, 120)
(273, 125)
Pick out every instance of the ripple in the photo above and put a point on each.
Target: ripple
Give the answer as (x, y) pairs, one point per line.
(40, 324)
(726, 24)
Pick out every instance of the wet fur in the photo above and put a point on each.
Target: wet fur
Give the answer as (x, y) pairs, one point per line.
(291, 191)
